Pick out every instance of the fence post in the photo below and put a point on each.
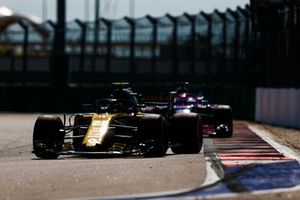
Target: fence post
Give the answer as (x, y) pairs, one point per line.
(246, 14)
(50, 57)
(236, 17)
(96, 36)
(154, 42)
(108, 44)
(192, 20)
(59, 61)
(223, 65)
(25, 56)
(131, 22)
(296, 46)
(208, 18)
(174, 44)
(82, 26)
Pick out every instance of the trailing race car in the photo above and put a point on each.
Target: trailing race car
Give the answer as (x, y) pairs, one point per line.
(216, 119)
(115, 127)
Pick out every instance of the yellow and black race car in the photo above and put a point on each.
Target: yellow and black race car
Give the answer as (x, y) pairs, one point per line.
(116, 127)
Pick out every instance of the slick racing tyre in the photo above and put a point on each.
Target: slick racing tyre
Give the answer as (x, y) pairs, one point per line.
(48, 138)
(223, 121)
(186, 133)
(153, 130)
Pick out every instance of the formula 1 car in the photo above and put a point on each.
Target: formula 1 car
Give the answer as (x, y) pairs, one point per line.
(216, 119)
(115, 127)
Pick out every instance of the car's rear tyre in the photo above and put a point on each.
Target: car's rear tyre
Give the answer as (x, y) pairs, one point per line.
(153, 130)
(48, 138)
(224, 122)
(186, 133)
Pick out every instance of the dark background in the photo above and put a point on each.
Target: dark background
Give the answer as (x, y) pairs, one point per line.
(55, 67)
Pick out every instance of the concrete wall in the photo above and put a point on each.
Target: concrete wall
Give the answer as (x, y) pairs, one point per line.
(278, 106)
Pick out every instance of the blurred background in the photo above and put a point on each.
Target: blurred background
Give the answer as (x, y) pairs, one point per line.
(57, 54)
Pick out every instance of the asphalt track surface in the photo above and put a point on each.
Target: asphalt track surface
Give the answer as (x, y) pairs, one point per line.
(25, 177)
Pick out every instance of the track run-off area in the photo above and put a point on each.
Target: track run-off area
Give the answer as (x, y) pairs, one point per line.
(252, 164)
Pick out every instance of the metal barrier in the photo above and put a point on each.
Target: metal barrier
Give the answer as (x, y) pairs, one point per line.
(278, 106)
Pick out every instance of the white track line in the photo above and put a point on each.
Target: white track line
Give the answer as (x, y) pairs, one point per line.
(214, 170)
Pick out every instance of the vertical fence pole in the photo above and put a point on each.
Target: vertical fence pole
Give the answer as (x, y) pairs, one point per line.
(50, 57)
(208, 19)
(174, 44)
(246, 71)
(296, 45)
(192, 20)
(108, 44)
(59, 61)
(223, 65)
(82, 47)
(236, 17)
(297, 35)
(96, 34)
(131, 22)
(25, 56)
(290, 38)
(154, 42)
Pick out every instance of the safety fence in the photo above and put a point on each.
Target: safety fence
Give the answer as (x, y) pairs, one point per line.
(224, 54)
(202, 48)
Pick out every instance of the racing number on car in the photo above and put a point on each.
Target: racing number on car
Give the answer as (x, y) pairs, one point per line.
(97, 130)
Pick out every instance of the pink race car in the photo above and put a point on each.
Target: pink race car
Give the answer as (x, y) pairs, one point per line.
(216, 119)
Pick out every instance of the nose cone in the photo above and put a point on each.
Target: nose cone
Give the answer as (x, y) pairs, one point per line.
(183, 109)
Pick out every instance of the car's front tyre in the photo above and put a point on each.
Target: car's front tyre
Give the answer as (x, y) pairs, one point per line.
(153, 129)
(47, 137)
(186, 133)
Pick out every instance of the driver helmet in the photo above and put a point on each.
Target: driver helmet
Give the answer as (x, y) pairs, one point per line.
(181, 90)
